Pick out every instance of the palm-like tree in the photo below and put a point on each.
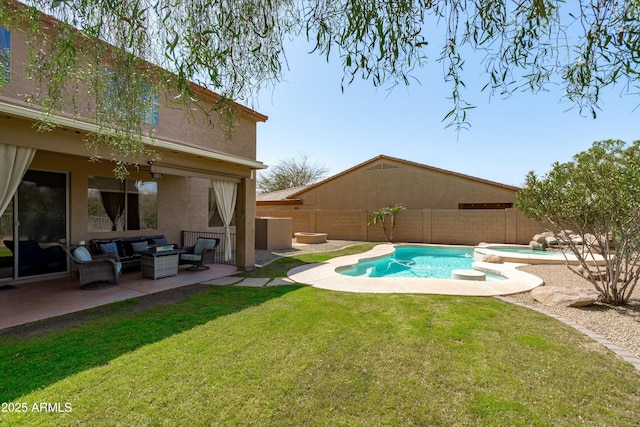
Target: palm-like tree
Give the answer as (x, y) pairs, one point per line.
(387, 218)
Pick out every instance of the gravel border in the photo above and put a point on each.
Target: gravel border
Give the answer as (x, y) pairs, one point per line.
(618, 326)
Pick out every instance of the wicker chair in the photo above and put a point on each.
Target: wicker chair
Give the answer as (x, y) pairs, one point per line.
(98, 269)
(201, 253)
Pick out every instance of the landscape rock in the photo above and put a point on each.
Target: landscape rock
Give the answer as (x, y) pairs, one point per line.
(537, 246)
(577, 239)
(598, 273)
(540, 238)
(568, 297)
(495, 259)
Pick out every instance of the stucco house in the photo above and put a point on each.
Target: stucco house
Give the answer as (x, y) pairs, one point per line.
(51, 195)
(441, 206)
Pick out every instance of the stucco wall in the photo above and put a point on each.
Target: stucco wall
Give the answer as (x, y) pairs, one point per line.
(468, 227)
(389, 182)
(182, 201)
(177, 122)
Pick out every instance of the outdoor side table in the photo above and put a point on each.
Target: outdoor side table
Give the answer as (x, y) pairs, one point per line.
(156, 265)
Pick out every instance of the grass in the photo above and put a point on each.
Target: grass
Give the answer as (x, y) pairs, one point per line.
(296, 355)
(281, 266)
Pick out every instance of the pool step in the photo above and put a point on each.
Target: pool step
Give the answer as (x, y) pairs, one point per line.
(468, 275)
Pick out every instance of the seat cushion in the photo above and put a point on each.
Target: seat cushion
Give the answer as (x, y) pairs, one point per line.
(190, 257)
(82, 254)
(139, 246)
(203, 244)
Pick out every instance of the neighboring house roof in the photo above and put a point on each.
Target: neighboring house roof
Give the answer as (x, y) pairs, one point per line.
(296, 194)
(281, 197)
(278, 196)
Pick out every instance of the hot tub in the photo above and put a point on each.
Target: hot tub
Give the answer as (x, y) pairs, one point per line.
(524, 254)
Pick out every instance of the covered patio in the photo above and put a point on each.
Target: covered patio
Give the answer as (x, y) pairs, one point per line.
(22, 303)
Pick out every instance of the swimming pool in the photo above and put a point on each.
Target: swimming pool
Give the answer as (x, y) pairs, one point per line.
(325, 275)
(416, 262)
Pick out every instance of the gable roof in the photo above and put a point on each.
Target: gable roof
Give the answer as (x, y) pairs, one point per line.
(280, 194)
(383, 157)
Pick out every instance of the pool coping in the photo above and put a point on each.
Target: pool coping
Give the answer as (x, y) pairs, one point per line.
(324, 275)
(544, 257)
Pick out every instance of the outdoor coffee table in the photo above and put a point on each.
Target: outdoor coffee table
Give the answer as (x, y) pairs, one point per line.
(156, 265)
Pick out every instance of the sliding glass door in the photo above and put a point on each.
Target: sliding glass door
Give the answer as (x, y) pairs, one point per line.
(40, 231)
(6, 235)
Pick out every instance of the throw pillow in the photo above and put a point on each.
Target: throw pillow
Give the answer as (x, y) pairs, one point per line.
(82, 254)
(109, 248)
(162, 241)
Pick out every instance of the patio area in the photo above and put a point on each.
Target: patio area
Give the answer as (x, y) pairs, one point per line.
(28, 302)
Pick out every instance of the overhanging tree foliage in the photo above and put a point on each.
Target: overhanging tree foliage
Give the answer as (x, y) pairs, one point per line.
(597, 195)
(236, 48)
(290, 173)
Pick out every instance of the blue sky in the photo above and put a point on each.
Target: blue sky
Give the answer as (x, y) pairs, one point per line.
(309, 114)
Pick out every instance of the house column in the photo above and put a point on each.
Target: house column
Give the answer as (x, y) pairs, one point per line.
(246, 224)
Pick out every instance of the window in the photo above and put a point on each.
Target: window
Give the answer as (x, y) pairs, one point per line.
(117, 88)
(214, 213)
(5, 56)
(150, 98)
(485, 205)
(116, 206)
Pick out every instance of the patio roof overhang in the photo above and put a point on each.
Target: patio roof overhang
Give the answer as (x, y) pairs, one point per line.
(31, 114)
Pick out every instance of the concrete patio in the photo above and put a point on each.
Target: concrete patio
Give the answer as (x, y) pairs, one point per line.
(32, 301)
(28, 302)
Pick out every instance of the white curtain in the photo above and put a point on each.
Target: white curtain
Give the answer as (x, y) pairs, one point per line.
(14, 162)
(225, 192)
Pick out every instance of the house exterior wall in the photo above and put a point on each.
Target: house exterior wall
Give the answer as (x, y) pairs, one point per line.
(341, 205)
(388, 182)
(182, 198)
(184, 124)
(445, 226)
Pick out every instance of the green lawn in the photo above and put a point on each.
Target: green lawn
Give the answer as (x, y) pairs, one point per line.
(301, 356)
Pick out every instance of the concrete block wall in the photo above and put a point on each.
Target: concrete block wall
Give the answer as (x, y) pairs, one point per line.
(446, 226)
(468, 227)
(341, 225)
(300, 220)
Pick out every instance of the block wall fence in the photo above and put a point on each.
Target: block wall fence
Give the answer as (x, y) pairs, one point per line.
(462, 227)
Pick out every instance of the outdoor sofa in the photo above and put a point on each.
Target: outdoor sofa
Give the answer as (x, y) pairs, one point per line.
(127, 249)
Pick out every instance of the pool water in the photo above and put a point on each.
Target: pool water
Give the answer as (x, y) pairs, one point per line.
(521, 250)
(422, 262)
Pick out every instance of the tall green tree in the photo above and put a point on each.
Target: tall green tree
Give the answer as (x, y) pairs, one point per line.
(290, 173)
(236, 48)
(597, 195)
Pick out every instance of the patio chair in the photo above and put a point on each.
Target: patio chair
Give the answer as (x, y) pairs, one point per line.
(200, 254)
(95, 269)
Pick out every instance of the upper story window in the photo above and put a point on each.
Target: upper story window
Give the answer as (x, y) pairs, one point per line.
(5, 56)
(150, 98)
(117, 88)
